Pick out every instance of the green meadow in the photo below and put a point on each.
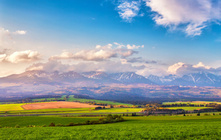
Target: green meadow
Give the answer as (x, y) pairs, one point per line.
(188, 108)
(24, 121)
(151, 127)
(71, 110)
(189, 102)
(72, 99)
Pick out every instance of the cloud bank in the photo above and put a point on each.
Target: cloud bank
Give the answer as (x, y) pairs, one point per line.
(190, 16)
(111, 66)
(99, 53)
(181, 68)
(20, 56)
(193, 15)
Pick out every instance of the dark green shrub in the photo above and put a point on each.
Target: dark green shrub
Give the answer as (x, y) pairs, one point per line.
(59, 124)
(87, 122)
(52, 124)
(71, 124)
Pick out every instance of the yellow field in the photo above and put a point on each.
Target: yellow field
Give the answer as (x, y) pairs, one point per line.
(11, 107)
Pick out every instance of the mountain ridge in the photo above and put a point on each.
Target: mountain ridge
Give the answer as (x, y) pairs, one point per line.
(43, 77)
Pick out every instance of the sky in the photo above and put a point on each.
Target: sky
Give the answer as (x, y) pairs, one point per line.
(144, 36)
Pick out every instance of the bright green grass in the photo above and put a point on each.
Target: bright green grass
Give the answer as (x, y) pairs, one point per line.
(71, 98)
(188, 108)
(73, 110)
(10, 107)
(134, 128)
(24, 121)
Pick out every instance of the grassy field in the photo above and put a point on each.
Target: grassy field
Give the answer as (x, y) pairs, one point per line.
(190, 102)
(24, 121)
(10, 107)
(71, 98)
(73, 110)
(152, 127)
(188, 108)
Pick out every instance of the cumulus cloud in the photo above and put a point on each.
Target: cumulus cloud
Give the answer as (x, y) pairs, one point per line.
(173, 68)
(20, 32)
(99, 53)
(20, 56)
(181, 68)
(4, 32)
(129, 9)
(110, 66)
(190, 15)
(201, 65)
(128, 46)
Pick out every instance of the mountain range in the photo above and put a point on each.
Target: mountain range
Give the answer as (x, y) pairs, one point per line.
(54, 78)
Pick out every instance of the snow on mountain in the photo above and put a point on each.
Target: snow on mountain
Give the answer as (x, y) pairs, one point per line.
(130, 77)
(192, 79)
(42, 77)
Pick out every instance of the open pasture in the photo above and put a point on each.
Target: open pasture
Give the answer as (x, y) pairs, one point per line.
(152, 127)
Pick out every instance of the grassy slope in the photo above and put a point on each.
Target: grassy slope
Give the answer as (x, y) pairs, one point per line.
(71, 98)
(162, 127)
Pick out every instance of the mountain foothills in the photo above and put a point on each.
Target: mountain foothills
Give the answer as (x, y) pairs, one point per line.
(112, 86)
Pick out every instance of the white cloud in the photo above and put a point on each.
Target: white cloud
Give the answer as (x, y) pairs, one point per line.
(190, 15)
(128, 46)
(201, 65)
(20, 32)
(128, 9)
(100, 53)
(173, 68)
(20, 56)
(131, 47)
(2, 57)
(110, 66)
(181, 68)
(4, 32)
(87, 55)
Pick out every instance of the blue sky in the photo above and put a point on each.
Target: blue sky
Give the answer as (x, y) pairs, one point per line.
(54, 26)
